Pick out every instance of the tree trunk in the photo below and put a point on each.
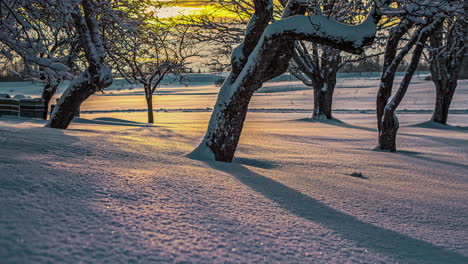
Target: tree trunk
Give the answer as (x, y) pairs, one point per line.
(323, 99)
(388, 131)
(444, 95)
(95, 77)
(47, 93)
(446, 58)
(149, 104)
(79, 90)
(391, 62)
(323, 93)
(226, 123)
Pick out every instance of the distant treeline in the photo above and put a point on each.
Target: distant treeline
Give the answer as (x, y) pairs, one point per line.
(11, 78)
(12, 71)
(375, 65)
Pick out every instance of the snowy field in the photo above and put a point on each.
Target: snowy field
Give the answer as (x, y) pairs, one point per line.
(113, 189)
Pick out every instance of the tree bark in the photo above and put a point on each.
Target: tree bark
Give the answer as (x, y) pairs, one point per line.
(323, 99)
(79, 90)
(48, 92)
(149, 104)
(231, 119)
(323, 92)
(388, 132)
(444, 95)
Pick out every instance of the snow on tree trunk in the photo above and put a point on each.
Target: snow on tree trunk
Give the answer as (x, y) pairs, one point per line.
(48, 92)
(79, 90)
(323, 99)
(391, 62)
(389, 124)
(95, 77)
(269, 59)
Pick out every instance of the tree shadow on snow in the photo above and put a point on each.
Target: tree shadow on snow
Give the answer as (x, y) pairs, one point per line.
(262, 164)
(416, 155)
(336, 122)
(434, 125)
(110, 121)
(402, 247)
(444, 140)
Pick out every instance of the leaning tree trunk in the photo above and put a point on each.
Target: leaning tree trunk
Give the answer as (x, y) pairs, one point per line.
(95, 77)
(149, 104)
(269, 59)
(48, 92)
(80, 89)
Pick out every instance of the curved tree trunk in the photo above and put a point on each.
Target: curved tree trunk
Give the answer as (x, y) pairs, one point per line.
(95, 77)
(269, 59)
(79, 90)
(391, 62)
(230, 122)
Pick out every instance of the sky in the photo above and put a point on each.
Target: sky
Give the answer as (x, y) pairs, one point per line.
(180, 7)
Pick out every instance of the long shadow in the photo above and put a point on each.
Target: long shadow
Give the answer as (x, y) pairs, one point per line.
(433, 125)
(263, 164)
(416, 156)
(338, 123)
(110, 121)
(402, 247)
(449, 141)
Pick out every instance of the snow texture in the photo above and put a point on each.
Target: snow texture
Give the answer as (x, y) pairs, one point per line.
(112, 189)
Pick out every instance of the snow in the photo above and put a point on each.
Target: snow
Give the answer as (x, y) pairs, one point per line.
(112, 188)
(322, 26)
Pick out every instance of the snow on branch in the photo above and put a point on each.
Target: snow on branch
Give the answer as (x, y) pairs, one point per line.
(324, 30)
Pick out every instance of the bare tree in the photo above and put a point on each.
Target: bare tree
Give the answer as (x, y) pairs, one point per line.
(50, 35)
(146, 56)
(264, 54)
(44, 47)
(427, 17)
(446, 53)
(317, 65)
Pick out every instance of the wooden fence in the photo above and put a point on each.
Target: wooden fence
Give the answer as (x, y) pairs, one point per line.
(32, 108)
(9, 106)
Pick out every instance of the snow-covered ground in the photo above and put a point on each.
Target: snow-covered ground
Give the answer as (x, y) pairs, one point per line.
(113, 189)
